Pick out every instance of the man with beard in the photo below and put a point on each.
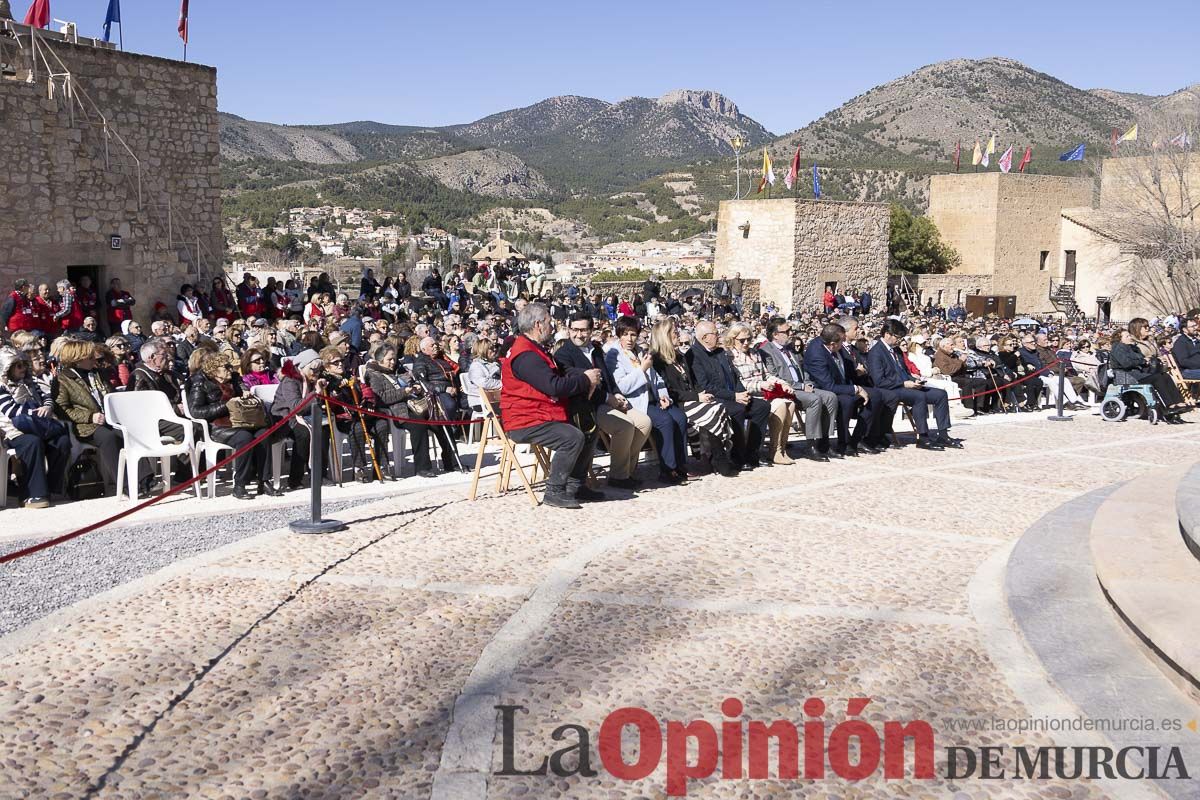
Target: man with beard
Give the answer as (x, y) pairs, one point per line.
(533, 403)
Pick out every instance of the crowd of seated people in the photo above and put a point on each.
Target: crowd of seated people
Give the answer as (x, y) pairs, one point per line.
(706, 381)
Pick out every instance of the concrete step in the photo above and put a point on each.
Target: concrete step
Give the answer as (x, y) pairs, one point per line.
(1148, 573)
(1187, 508)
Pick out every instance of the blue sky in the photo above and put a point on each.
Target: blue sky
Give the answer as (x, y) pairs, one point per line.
(437, 63)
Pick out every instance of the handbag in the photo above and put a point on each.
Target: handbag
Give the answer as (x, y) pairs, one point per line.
(246, 413)
(776, 392)
(84, 479)
(418, 407)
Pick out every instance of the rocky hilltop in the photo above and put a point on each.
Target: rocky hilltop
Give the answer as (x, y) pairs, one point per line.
(489, 172)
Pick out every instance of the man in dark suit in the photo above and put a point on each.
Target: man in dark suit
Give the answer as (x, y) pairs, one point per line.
(889, 374)
(819, 406)
(594, 412)
(1186, 350)
(829, 368)
(713, 372)
(864, 300)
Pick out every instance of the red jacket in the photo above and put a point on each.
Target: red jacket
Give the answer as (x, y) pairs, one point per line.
(73, 320)
(25, 315)
(521, 405)
(45, 313)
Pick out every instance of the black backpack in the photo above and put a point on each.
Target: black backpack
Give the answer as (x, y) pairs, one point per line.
(84, 479)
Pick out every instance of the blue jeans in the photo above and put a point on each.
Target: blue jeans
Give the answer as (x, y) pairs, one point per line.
(670, 435)
(1191, 374)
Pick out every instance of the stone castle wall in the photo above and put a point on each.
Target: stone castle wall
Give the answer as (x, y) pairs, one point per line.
(1002, 224)
(948, 289)
(59, 201)
(767, 253)
(750, 288)
(1029, 224)
(963, 207)
(794, 247)
(842, 243)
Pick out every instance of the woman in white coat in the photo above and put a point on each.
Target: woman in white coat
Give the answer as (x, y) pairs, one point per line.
(646, 391)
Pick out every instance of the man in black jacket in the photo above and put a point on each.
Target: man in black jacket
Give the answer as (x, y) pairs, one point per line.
(586, 412)
(892, 378)
(1186, 350)
(713, 372)
(154, 374)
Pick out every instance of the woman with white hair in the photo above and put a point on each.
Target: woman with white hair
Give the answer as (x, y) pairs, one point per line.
(750, 367)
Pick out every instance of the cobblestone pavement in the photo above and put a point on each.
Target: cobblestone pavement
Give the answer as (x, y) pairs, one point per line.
(367, 663)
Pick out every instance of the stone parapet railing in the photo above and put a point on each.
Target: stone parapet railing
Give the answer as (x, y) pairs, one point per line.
(750, 287)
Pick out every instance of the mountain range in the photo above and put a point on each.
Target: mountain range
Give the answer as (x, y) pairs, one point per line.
(569, 150)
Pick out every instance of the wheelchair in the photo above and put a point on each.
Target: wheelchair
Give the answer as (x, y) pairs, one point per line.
(1123, 400)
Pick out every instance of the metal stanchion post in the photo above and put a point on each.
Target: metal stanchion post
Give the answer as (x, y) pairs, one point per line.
(1058, 415)
(315, 523)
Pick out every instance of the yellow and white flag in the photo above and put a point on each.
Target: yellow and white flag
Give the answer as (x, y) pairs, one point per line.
(977, 156)
(987, 153)
(1129, 135)
(768, 172)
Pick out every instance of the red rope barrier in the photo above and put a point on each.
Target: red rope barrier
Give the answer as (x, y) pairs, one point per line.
(381, 415)
(1007, 385)
(173, 491)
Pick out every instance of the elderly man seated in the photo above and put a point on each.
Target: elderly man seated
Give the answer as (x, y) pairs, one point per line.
(820, 406)
(534, 394)
(713, 372)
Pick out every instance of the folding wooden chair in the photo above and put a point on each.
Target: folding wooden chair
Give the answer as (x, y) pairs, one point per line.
(1188, 387)
(492, 431)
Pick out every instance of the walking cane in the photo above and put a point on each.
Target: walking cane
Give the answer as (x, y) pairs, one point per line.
(435, 413)
(996, 386)
(366, 434)
(337, 457)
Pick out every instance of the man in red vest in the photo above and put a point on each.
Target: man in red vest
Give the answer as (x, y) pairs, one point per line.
(533, 405)
(19, 311)
(120, 305)
(68, 311)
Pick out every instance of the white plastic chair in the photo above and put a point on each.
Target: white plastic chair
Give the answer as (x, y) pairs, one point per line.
(5, 455)
(137, 415)
(213, 450)
(266, 393)
(475, 429)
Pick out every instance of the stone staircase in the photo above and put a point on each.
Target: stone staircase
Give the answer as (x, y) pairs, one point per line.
(1145, 544)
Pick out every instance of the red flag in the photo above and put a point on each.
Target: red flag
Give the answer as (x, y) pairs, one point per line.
(793, 173)
(957, 154)
(39, 14)
(183, 21)
(1025, 159)
(1114, 141)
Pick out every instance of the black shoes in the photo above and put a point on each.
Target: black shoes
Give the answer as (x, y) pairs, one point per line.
(586, 495)
(427, 473)
(269, 490)
(946, 440)
(240, 493)
(725, 468)
(925, 443)
(813, 455)
(559, 499)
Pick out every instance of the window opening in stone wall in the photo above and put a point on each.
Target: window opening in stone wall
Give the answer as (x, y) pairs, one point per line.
(941, 293)
(1045, 257)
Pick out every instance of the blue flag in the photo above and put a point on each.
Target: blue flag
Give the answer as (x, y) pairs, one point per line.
(1074, 155)
(114, 15)
(816, 183)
